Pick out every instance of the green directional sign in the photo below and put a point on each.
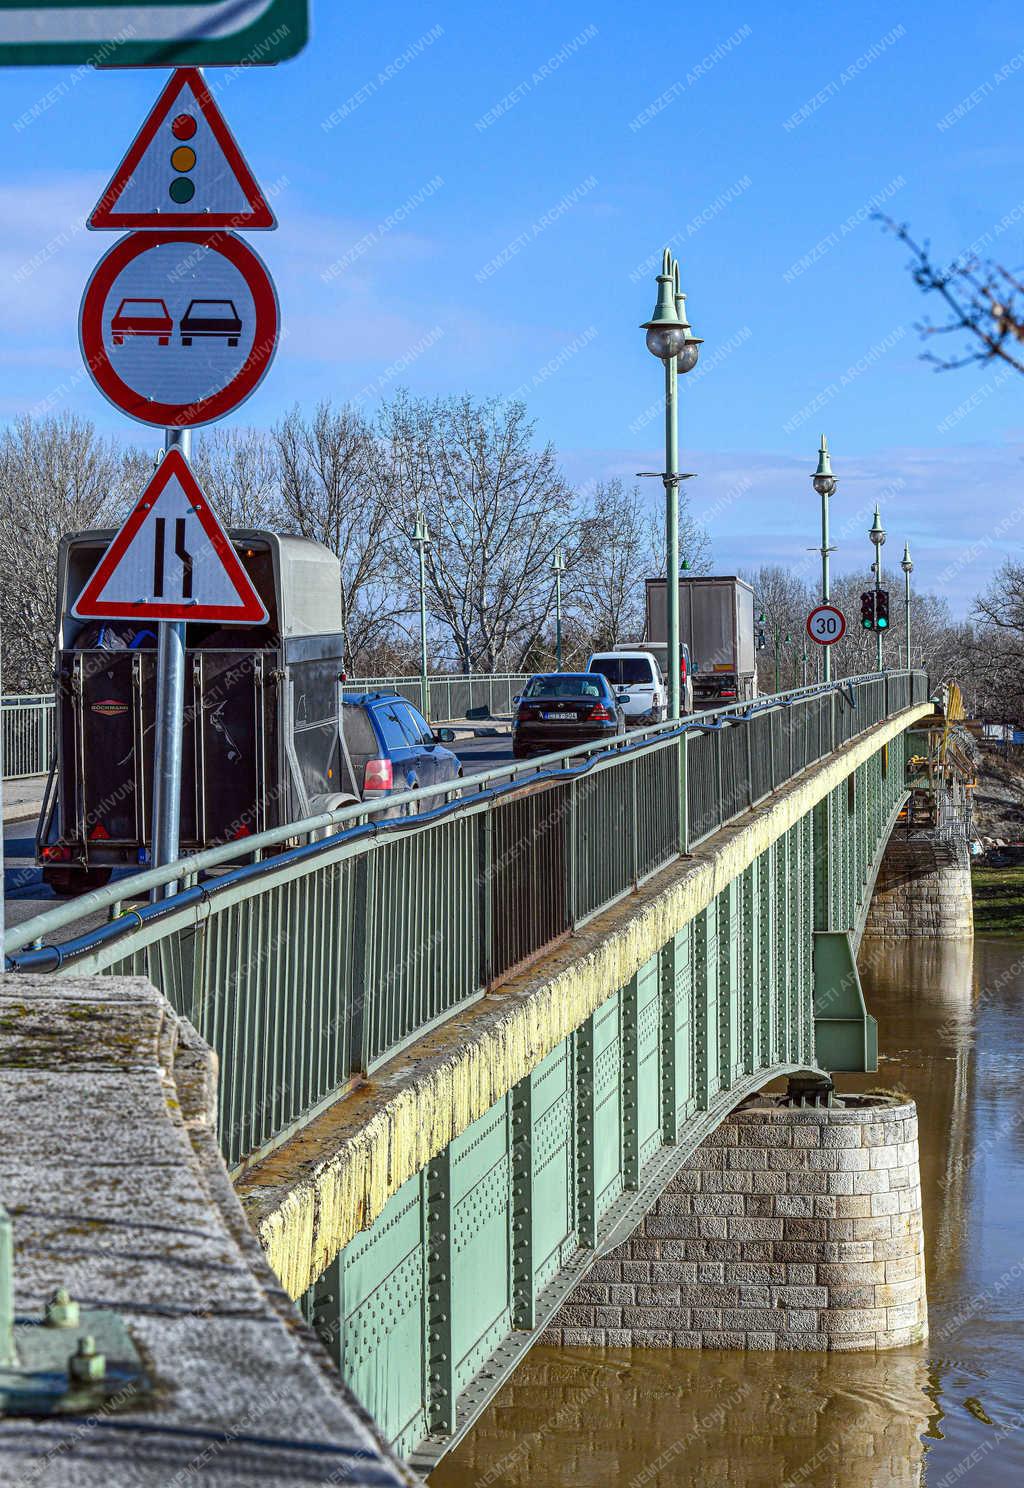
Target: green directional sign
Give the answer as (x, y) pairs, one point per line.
(160, 33)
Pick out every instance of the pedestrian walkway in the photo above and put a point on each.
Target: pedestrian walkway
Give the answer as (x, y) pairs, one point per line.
(23, 799)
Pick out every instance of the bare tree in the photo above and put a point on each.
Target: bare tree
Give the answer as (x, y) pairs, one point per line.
(984, 305)
(56, 476)
(996, 662)
(238, 470)
(605, 589)
(784, 600)
(497, 508)
(332, 490)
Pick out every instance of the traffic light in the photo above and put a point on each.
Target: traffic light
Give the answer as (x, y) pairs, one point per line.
(867, 610)
(882, 610)
(183, 159)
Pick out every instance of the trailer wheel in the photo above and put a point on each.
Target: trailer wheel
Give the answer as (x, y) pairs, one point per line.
(68, 883)
(333, 802)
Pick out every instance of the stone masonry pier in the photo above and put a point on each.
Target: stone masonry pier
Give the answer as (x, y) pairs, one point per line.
(789, 1228)
(923, 889)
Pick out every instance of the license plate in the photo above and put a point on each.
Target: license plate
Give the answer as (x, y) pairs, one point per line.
(560, 717)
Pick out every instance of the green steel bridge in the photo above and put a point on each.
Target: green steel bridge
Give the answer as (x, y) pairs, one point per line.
(464, 1045)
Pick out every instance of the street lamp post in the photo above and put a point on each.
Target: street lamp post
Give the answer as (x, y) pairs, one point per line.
(877, 536)
(777, 643)
(558, 569)
(671, 340)
(421, 542)
(825, 485)
(907, 566)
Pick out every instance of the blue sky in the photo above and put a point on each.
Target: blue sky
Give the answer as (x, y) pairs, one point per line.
(494, 187)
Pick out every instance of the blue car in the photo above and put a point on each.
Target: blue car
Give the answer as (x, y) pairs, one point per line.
(391, 746)
(559, 709)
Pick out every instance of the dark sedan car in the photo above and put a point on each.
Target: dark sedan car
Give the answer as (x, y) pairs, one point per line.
(560, 709)
(217, 318)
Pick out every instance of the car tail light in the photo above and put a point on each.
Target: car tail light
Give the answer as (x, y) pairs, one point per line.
(526, 713)
(239, 832)
(59, 854)
(99, 833)
(600, 714)
(727, 692)
(682, 668)
(378, 776)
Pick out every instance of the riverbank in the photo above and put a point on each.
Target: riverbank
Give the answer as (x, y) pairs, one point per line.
(998, 900)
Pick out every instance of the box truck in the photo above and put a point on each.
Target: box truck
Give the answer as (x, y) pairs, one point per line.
(716, 623)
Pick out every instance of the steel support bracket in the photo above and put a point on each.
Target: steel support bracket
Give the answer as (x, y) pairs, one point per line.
(845, 1033)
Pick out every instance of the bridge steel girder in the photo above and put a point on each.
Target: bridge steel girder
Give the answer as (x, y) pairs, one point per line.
(759, 982)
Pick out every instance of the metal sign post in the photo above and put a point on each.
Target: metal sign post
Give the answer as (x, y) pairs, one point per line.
(170, 722)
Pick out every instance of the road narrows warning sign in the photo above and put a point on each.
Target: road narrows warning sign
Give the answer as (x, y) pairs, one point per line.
(171, 560)
(183, 169)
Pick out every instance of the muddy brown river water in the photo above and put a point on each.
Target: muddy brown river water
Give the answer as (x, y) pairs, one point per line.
(950, 1412)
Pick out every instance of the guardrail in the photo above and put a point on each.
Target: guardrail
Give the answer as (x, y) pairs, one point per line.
(26, 735)
(450, 696)
(363, 929)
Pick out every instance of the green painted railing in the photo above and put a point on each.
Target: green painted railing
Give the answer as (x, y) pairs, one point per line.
(365, 928)
(451, 696)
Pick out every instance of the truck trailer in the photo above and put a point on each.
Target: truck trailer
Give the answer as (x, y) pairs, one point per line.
(716, 623)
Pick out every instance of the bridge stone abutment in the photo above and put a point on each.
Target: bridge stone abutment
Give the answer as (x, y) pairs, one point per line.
(923, 889)
(788, 1228)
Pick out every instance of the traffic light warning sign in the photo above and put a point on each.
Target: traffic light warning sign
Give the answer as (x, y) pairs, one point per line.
(183, 169)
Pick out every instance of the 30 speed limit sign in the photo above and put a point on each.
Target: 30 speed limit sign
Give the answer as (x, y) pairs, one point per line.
(826, 625)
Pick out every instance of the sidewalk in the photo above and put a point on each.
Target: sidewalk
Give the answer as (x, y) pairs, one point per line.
(475, 728)
(23, 799)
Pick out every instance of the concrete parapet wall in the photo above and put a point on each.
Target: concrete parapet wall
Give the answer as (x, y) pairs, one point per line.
(923, 889)
(110, 1170)
(789, 1228)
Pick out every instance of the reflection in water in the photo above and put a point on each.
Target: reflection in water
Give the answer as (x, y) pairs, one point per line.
(951, 1032)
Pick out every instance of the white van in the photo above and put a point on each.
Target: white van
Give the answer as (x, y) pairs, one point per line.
(637, 681)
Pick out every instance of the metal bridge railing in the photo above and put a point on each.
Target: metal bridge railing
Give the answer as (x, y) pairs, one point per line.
(451, 696)
(322, 955)
(26, 735)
